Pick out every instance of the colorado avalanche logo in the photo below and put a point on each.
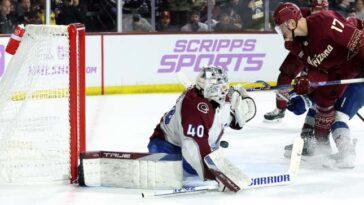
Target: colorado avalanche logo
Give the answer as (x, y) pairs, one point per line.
(203, 107)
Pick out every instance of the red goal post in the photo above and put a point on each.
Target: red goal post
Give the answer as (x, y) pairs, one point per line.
(77, 94)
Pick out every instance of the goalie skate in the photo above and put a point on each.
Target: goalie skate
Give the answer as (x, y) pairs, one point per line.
(275, 115)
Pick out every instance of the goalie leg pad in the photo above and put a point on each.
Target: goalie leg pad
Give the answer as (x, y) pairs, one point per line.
(132, 170)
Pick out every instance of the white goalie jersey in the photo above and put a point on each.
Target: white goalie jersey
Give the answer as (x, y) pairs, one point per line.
(196, 125)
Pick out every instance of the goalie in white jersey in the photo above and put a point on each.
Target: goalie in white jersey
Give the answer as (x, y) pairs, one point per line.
(195, 125)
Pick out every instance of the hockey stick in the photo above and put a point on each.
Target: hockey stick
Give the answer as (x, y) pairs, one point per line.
(286, 178)
(360, 116)
(183, 190)
(182, 78)
(257, 182)
(266, 85)
(312, 84)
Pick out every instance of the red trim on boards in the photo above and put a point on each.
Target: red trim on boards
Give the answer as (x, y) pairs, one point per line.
(102, 65)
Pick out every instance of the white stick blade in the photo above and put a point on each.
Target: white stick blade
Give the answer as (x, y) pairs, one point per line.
(296, 157)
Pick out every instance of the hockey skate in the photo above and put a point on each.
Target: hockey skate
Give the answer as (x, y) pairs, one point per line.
(275, 115)
(311, 147)
(344, 159)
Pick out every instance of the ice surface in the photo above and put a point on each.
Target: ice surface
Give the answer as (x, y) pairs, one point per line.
(125, 122)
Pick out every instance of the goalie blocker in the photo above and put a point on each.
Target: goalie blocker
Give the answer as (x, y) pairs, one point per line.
(130, 170)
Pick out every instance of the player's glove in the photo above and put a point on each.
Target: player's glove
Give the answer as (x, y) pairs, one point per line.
(298, 104)
(302, 85)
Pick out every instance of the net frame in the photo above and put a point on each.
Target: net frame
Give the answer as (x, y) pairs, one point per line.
(77, 76)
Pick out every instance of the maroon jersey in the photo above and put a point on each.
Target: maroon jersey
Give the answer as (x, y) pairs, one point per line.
(306, 11)
(331, 42)
(330, 48)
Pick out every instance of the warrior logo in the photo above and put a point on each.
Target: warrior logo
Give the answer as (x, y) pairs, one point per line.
(317, 59)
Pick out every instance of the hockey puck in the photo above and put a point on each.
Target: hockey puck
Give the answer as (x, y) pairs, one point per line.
(224, 144)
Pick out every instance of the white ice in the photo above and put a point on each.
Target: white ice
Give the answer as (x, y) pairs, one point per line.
(125, 122)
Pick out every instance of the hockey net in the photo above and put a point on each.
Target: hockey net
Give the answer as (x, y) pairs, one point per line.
(42, 106)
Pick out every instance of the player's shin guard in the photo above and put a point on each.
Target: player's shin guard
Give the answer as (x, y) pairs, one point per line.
(325, 116)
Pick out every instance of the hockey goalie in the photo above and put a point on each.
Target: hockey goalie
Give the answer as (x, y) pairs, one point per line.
(195, 125)
(192, 130)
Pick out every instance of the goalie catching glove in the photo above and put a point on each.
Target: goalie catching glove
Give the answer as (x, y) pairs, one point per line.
(243, 107)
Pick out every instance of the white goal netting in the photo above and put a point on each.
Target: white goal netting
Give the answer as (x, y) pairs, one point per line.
(34, 108)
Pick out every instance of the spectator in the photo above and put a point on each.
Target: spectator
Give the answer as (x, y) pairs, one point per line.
(180, 9)
(215, 11)
(39, 8)
(70, 12)
(343, 7)
(225, 24)
(141, 24)
(6, 23)
(352, 13)
(194, 25)
(27, 14)
(164, 24)
(253, 15)
(300, 3)
(359, 9)
(234, 9)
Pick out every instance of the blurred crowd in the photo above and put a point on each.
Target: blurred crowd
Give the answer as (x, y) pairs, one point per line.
(347, 8)
(168, 15)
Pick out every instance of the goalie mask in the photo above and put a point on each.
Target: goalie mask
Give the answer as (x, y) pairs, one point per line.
(213, 83)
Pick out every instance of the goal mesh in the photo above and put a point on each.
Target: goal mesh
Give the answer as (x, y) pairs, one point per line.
(35, 107)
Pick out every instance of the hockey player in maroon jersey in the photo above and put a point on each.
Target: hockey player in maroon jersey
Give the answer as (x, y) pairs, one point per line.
(328, 45)
(195, 125)
(291, 67)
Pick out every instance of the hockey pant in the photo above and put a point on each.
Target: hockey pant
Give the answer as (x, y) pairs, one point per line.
(157, 145)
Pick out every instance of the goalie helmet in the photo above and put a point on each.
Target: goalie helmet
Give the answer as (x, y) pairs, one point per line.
(212, 81)
(286, 11)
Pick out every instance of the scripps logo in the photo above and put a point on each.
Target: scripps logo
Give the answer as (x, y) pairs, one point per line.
(318, 58)
(235, 54)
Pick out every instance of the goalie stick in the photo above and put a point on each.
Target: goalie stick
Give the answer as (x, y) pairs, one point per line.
(285, 178)
(257, 182)
(181, 191)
